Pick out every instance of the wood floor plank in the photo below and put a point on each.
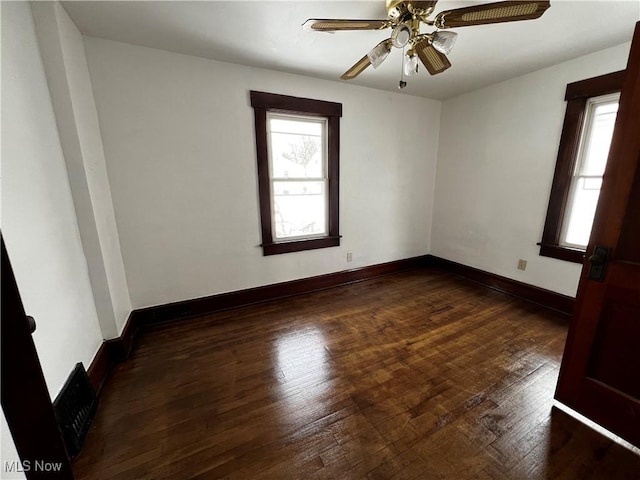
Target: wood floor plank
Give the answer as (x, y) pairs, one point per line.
(413, 375)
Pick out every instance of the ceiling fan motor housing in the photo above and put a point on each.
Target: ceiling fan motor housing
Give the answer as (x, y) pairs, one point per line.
(395, 8)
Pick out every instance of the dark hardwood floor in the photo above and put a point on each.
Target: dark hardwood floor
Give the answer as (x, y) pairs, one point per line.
(412, 375)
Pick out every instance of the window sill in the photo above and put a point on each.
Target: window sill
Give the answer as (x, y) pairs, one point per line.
(299, 245)
(562, 253)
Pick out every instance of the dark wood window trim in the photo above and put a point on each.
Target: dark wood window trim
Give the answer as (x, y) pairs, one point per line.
(269, 102)
(576, 96)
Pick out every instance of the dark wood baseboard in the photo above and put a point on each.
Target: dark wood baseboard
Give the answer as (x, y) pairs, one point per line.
(150, 316)
(120, 347)
(546, 298)
(112, 352)
(99, 368)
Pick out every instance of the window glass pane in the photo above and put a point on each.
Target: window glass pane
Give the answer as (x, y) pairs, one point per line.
(299, 208)
(296, 156)
(292, 125)
(583, 209)
(592, 183)
(600, 130)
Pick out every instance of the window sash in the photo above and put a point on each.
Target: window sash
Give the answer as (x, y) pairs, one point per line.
(579, 175)
(325, 213)
(588, 128)
(572, 209)
(322, 178)
(303, 119)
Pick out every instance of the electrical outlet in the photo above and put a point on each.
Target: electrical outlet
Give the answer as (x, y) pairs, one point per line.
(349, 256)
(522, 264)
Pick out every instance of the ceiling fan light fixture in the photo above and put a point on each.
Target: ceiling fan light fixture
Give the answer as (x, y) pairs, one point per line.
(379, 53)
(443, 41)
(401, 35)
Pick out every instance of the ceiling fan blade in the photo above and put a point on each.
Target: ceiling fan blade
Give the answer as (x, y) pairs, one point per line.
(375, 57)
(497, 12)
(332, 25)
(434, 61)
(357, 68)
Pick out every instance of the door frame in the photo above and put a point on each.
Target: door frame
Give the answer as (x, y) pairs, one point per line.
(24, 395)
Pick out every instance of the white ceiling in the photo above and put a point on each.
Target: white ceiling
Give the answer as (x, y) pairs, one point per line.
(268, 34)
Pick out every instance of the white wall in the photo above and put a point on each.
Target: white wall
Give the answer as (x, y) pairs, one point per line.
(38, 218)
(498, 149)
(65, 64)
(8, 452)
(178, 136)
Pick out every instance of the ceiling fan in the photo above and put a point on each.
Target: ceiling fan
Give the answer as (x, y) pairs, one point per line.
(405, 20)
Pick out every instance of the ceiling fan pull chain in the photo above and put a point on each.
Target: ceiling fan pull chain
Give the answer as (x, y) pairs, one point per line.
(402, 83)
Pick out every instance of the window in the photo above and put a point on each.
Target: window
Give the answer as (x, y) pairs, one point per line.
(298, 146)
(592, 106)
(586, 181)
(297, 176)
